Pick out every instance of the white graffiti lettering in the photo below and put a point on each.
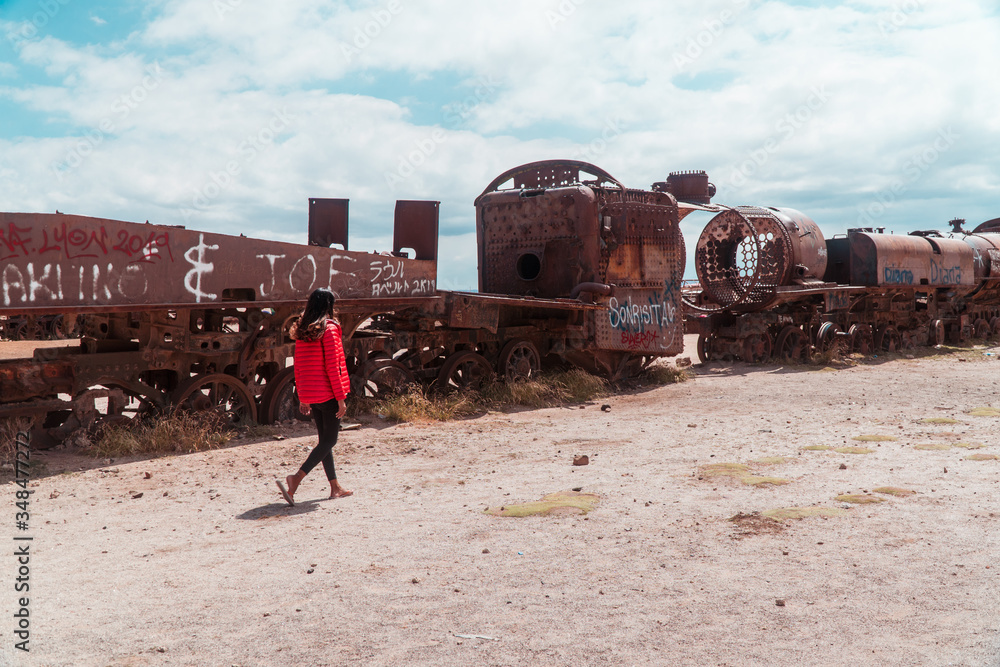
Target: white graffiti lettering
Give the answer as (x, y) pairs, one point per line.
(297, 274)
(633, 316)
(270, 262)
(196, 257)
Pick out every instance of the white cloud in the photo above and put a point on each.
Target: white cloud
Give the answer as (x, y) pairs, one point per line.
(819, 108)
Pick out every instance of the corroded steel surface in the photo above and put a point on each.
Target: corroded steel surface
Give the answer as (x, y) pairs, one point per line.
(745, 254)
(58, 263)
(909, 261)
(554, 231)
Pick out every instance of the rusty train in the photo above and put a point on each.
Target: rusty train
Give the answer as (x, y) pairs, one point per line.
(574, 267)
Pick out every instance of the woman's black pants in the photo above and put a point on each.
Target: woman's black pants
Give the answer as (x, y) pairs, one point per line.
(328, 425)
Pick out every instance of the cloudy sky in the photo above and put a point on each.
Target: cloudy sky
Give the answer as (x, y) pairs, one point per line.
(226, 115)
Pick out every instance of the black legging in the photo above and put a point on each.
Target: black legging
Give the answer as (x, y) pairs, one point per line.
(328, 425)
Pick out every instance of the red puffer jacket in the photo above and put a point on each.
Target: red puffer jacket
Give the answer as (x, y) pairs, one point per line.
(320, 367)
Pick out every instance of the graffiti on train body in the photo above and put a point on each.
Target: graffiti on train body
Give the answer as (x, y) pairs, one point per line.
(634, 317)
(892, 275)
(42, 284)
(84, 242)
(945, 275)
(303, 274)
(389, 279)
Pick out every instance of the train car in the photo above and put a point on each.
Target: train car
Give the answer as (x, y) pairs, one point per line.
(574, 267)
(770, 286)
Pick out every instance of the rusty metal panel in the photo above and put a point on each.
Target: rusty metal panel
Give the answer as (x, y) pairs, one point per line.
(57, 263)
(644, 321)
(328, 222)
(745, 254)
(466, 311)
(541, 245)
(909, 261)
(416, 227)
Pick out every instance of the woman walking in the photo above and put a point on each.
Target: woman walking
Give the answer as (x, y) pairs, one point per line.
(322, 384)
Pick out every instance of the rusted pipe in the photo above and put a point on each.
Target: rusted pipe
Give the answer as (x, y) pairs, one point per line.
(592, 288)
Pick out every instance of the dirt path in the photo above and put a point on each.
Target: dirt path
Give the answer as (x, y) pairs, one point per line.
(208, 567)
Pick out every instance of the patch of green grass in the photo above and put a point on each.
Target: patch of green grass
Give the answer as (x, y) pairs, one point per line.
(854, 450)
(984, 412)
(982, 457)
(859, 499)
(817, 448)
(786, 513)
(893, 491)
(562, 502)
(875, 438)
(939, 420)
(931, 446)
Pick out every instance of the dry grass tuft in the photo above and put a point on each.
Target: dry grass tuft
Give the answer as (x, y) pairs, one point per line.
(893, 491)
(982, 457)
(817, 448)
(854, 450)
(737, 470)
(859, 499)
(968, 445)
(754, 480)
(875, 438)
(939, 420)
(9, 428)
(182, 432)
(785, 513)
(931, 447)
(548, 390)
(663, 374)
(984, 412)
(772, 460)
(562, 502)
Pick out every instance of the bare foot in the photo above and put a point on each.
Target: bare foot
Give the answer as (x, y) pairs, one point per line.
(337, 491)
(293, 483)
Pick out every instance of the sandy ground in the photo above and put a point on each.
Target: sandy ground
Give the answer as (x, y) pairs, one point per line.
(209, 567)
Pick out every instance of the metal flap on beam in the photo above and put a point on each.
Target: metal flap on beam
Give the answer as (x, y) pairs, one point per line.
(416, 227)
(328, 222)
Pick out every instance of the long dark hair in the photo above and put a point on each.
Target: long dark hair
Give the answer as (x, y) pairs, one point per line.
(319, 307)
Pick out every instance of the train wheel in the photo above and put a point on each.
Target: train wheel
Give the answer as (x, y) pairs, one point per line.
(279, 402)
(792, 346)
(464, 370)
(862, 339)
(887, 339)
(981, 329)
(381, 377)
(217, 392)
(827, 336)
(705, 352)
(519, 360)
(757, 348)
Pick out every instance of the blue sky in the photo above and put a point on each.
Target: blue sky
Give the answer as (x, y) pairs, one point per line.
(226, 115)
